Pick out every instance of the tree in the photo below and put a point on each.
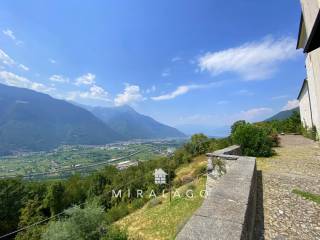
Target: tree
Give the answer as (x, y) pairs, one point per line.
(199, 144)
(253, 140)
(54, 199)
(75, 190)
(12, 193)
(82, 224)
(31, 213)
(236, 125)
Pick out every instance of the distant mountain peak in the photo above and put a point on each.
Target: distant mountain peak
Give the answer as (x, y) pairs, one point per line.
(133, 125)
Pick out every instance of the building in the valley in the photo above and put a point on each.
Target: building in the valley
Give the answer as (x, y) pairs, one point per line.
(309, 41)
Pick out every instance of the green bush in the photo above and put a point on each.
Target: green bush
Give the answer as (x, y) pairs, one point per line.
(137, 203)
(253, 140)
(200, 170)
(310, 133)
(219, 165)
(117, 212)
(114, 233)
(237, 124)
(85, 224)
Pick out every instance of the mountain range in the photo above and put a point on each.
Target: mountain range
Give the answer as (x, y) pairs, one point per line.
(132, 125)
(33, 121)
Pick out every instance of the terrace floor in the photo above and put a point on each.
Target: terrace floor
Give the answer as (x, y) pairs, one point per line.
(281, 213)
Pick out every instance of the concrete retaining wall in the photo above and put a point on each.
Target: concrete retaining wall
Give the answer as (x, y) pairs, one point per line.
(229, 210)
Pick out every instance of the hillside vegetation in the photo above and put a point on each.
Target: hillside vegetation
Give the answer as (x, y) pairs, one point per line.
(34, 121)
(24, 203)
(132, 125)
(162, 219)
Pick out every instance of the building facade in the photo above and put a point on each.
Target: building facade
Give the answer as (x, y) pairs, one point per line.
(309, 41)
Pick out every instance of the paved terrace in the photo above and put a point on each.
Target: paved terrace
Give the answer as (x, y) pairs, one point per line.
(282, 214)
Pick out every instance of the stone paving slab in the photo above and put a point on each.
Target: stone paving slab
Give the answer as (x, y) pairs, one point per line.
(229, 210)
(283, 214)
(210, 228)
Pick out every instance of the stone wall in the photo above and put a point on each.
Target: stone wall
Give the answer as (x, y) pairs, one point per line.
(228, 212)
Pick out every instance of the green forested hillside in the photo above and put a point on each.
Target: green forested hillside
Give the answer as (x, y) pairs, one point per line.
(283, 114)
(34, 121)
(132, 125)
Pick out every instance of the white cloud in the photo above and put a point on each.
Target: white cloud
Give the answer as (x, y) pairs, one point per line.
(52, 61)
(23, 67)
(291, 104)
(180, 90)
(152, 89)
(166, 73)
(97, 92)
(253, 60)
(94, 93)
(9, 33)
(86, 79)
(130, 95)
(176, 59)
(12, 79)
(59, 79)
(5, 59)
(254, 113)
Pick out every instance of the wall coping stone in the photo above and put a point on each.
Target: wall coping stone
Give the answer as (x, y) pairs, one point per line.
(228, 212)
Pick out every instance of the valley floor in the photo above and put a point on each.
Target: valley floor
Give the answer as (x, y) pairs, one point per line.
(283, 214)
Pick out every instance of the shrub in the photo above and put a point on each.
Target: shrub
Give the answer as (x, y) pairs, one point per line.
(253, 140)
(200, 170)
(117, 212)
(219, 165)
(310, 133)
(137, 203)
(114, 233)
(236, 125)
(83, 224)
(275, 139)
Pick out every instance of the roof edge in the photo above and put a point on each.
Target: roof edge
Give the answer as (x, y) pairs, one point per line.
(305, 82)
(311, 45)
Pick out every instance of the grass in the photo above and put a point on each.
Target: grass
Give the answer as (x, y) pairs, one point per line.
(159, 219)
(164, 220)
(188, 171)
(263, 163)
(307, 195)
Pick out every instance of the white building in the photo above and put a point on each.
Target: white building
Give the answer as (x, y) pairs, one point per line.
(309, 41)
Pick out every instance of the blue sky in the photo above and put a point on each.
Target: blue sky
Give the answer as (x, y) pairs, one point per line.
(197, 65)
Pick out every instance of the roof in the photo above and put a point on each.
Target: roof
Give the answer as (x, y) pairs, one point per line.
(313, 40)
(302, 35)
(304, 84)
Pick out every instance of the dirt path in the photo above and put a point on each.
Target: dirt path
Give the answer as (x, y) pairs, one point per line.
(283, 214)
